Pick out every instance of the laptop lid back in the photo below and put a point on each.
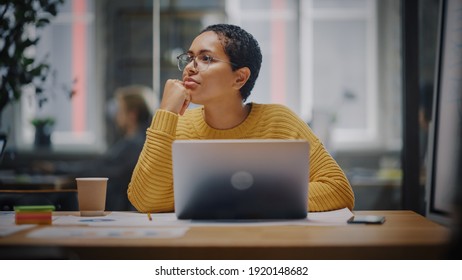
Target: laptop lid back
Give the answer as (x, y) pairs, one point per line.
(240, 179)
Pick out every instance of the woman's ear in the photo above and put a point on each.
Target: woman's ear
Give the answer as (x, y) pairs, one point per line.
(242, 75)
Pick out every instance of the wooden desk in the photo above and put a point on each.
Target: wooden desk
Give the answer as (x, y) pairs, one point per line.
(405, 235)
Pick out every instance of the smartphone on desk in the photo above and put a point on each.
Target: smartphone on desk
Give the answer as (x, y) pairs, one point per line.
(366, 219)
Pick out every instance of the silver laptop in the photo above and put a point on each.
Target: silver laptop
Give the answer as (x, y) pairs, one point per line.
(240, 179)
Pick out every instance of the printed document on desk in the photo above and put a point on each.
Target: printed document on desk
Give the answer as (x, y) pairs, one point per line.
(8, 225)
(108, 232)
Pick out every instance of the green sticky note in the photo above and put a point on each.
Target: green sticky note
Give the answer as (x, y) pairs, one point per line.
(34, 208)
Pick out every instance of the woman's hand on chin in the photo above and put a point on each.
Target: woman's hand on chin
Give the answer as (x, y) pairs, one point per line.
(176, 98)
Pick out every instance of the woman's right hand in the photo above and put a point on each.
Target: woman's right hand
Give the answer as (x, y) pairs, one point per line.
(176, 98)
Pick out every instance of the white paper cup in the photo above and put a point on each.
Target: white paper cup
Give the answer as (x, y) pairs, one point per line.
(91, 194)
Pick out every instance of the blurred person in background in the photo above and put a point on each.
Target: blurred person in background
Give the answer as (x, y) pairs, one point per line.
(131, 110)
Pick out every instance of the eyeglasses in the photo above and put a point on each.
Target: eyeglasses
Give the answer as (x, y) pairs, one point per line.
(201, 62)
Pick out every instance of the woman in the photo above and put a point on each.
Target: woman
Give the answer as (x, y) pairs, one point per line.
(219, 72)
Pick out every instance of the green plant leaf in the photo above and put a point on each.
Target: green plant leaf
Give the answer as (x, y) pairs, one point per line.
(18, 68)
(42, 22)
(27, 61)
(42, 121)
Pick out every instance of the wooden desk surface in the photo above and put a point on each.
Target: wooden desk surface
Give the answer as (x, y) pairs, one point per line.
(404, 235)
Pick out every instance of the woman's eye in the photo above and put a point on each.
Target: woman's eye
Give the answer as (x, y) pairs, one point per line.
(205, 58)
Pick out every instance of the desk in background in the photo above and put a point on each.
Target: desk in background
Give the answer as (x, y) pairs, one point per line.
(404, 235)
(23, 189)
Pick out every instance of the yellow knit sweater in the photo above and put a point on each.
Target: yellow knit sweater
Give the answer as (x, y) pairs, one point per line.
(151, 186)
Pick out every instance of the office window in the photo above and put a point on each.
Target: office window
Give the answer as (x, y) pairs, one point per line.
(69, 44)
(339, 40)
(179, 24)
(275, 25)
(323, 59)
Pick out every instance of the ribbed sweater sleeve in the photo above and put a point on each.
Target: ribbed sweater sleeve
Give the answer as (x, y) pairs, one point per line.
(329, 189)
(151, 186)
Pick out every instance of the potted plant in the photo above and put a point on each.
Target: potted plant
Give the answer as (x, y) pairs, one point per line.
(43, 130)
(18, 67)
(43, 122)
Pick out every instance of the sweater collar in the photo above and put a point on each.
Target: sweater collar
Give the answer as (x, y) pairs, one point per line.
(239, 131)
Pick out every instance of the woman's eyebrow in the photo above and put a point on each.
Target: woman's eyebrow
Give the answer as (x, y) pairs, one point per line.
(200, 52)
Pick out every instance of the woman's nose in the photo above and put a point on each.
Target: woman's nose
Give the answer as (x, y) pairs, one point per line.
(191, 67)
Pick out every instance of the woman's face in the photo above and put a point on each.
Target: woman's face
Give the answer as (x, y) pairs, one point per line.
(216, 83)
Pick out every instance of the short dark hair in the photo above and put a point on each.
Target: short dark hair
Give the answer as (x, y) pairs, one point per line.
(242, 49)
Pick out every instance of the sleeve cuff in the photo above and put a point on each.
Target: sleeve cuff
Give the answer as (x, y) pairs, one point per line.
(165, 121)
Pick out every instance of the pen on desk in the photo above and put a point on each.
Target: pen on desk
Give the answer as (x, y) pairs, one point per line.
(149, 216)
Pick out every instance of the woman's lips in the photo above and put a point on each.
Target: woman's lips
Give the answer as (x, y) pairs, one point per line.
(190, 83)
